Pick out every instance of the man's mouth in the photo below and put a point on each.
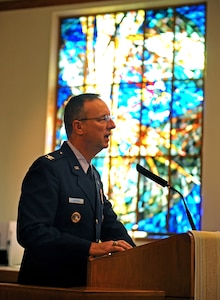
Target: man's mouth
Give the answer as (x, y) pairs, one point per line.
(107, 136)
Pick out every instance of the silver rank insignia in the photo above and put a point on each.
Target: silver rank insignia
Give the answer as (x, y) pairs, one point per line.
(75, 217)
(50, 157)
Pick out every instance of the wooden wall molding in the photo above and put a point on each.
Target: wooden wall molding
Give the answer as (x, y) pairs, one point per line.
(23, 4)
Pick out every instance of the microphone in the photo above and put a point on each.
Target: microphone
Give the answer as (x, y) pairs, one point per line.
(165, 183)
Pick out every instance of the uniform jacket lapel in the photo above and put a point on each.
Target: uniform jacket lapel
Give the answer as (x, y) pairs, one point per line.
(78, 172)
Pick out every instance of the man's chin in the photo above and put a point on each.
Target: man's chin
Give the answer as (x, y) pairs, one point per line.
(105, 145)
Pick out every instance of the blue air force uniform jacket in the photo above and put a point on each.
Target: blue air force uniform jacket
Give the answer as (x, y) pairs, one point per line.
(59, 215)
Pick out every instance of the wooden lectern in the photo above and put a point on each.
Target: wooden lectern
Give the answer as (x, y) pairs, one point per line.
(162, 269)
(165, 265)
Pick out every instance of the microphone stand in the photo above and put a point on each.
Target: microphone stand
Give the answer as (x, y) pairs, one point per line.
(186, 208)
(164, 183)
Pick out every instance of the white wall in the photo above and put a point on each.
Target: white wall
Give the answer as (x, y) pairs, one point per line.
(25, 40)
(211, 148)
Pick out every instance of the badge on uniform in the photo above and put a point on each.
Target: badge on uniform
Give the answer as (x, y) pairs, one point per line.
(75, 217)
(76, 200)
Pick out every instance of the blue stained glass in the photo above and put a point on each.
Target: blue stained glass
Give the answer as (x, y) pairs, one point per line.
(189, 42)
(71, 30)
(156, 104)
(71, 55)
(127, 100)
(159, 19)
(99, 164)
(178, 217)
(63, 95)
(188, 95)
(197, 15)
(150, 63)
(156, 224)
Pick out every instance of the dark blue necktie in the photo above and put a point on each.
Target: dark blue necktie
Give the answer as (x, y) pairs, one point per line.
(90, 173)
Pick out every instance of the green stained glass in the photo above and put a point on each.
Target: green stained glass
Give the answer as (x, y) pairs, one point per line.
(149, 66)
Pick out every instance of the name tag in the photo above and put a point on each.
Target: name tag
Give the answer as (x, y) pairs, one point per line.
(76, 200)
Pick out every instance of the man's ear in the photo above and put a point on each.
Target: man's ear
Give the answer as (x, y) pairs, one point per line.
(77, 126)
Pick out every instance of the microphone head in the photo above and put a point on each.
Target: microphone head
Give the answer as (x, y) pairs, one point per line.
(151, 176)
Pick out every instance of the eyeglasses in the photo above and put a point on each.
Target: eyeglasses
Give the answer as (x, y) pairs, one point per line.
(105, 118)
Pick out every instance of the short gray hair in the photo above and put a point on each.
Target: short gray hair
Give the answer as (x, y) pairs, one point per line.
(74, 109)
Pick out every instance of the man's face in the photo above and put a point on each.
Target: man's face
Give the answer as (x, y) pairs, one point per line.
(96, 130)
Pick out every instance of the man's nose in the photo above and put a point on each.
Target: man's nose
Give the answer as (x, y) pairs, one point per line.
(111, 124)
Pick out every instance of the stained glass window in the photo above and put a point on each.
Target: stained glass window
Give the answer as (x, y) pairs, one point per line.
(149, 66)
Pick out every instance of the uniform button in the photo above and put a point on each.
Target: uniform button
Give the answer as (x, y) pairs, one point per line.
(97, 221)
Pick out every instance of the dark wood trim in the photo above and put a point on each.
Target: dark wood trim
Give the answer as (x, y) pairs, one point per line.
(23, 4)
(24, 292)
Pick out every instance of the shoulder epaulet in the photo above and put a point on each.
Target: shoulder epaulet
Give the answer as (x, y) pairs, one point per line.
(49, 156)
(54, 155)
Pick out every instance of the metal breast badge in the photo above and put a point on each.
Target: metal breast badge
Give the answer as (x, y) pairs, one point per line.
(75, 217)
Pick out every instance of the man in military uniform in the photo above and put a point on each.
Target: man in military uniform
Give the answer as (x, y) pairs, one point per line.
(63, 214)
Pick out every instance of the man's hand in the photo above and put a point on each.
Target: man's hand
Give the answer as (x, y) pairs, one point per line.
(99, 249)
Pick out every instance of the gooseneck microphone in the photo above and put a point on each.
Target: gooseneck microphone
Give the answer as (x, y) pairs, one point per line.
(164, 183)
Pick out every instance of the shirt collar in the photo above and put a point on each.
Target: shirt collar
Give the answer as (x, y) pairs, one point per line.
(83, 162)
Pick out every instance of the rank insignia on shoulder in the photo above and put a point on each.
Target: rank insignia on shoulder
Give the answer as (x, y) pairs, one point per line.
(50, 157)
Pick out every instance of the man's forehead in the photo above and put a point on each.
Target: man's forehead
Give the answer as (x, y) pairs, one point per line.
(95, 104)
